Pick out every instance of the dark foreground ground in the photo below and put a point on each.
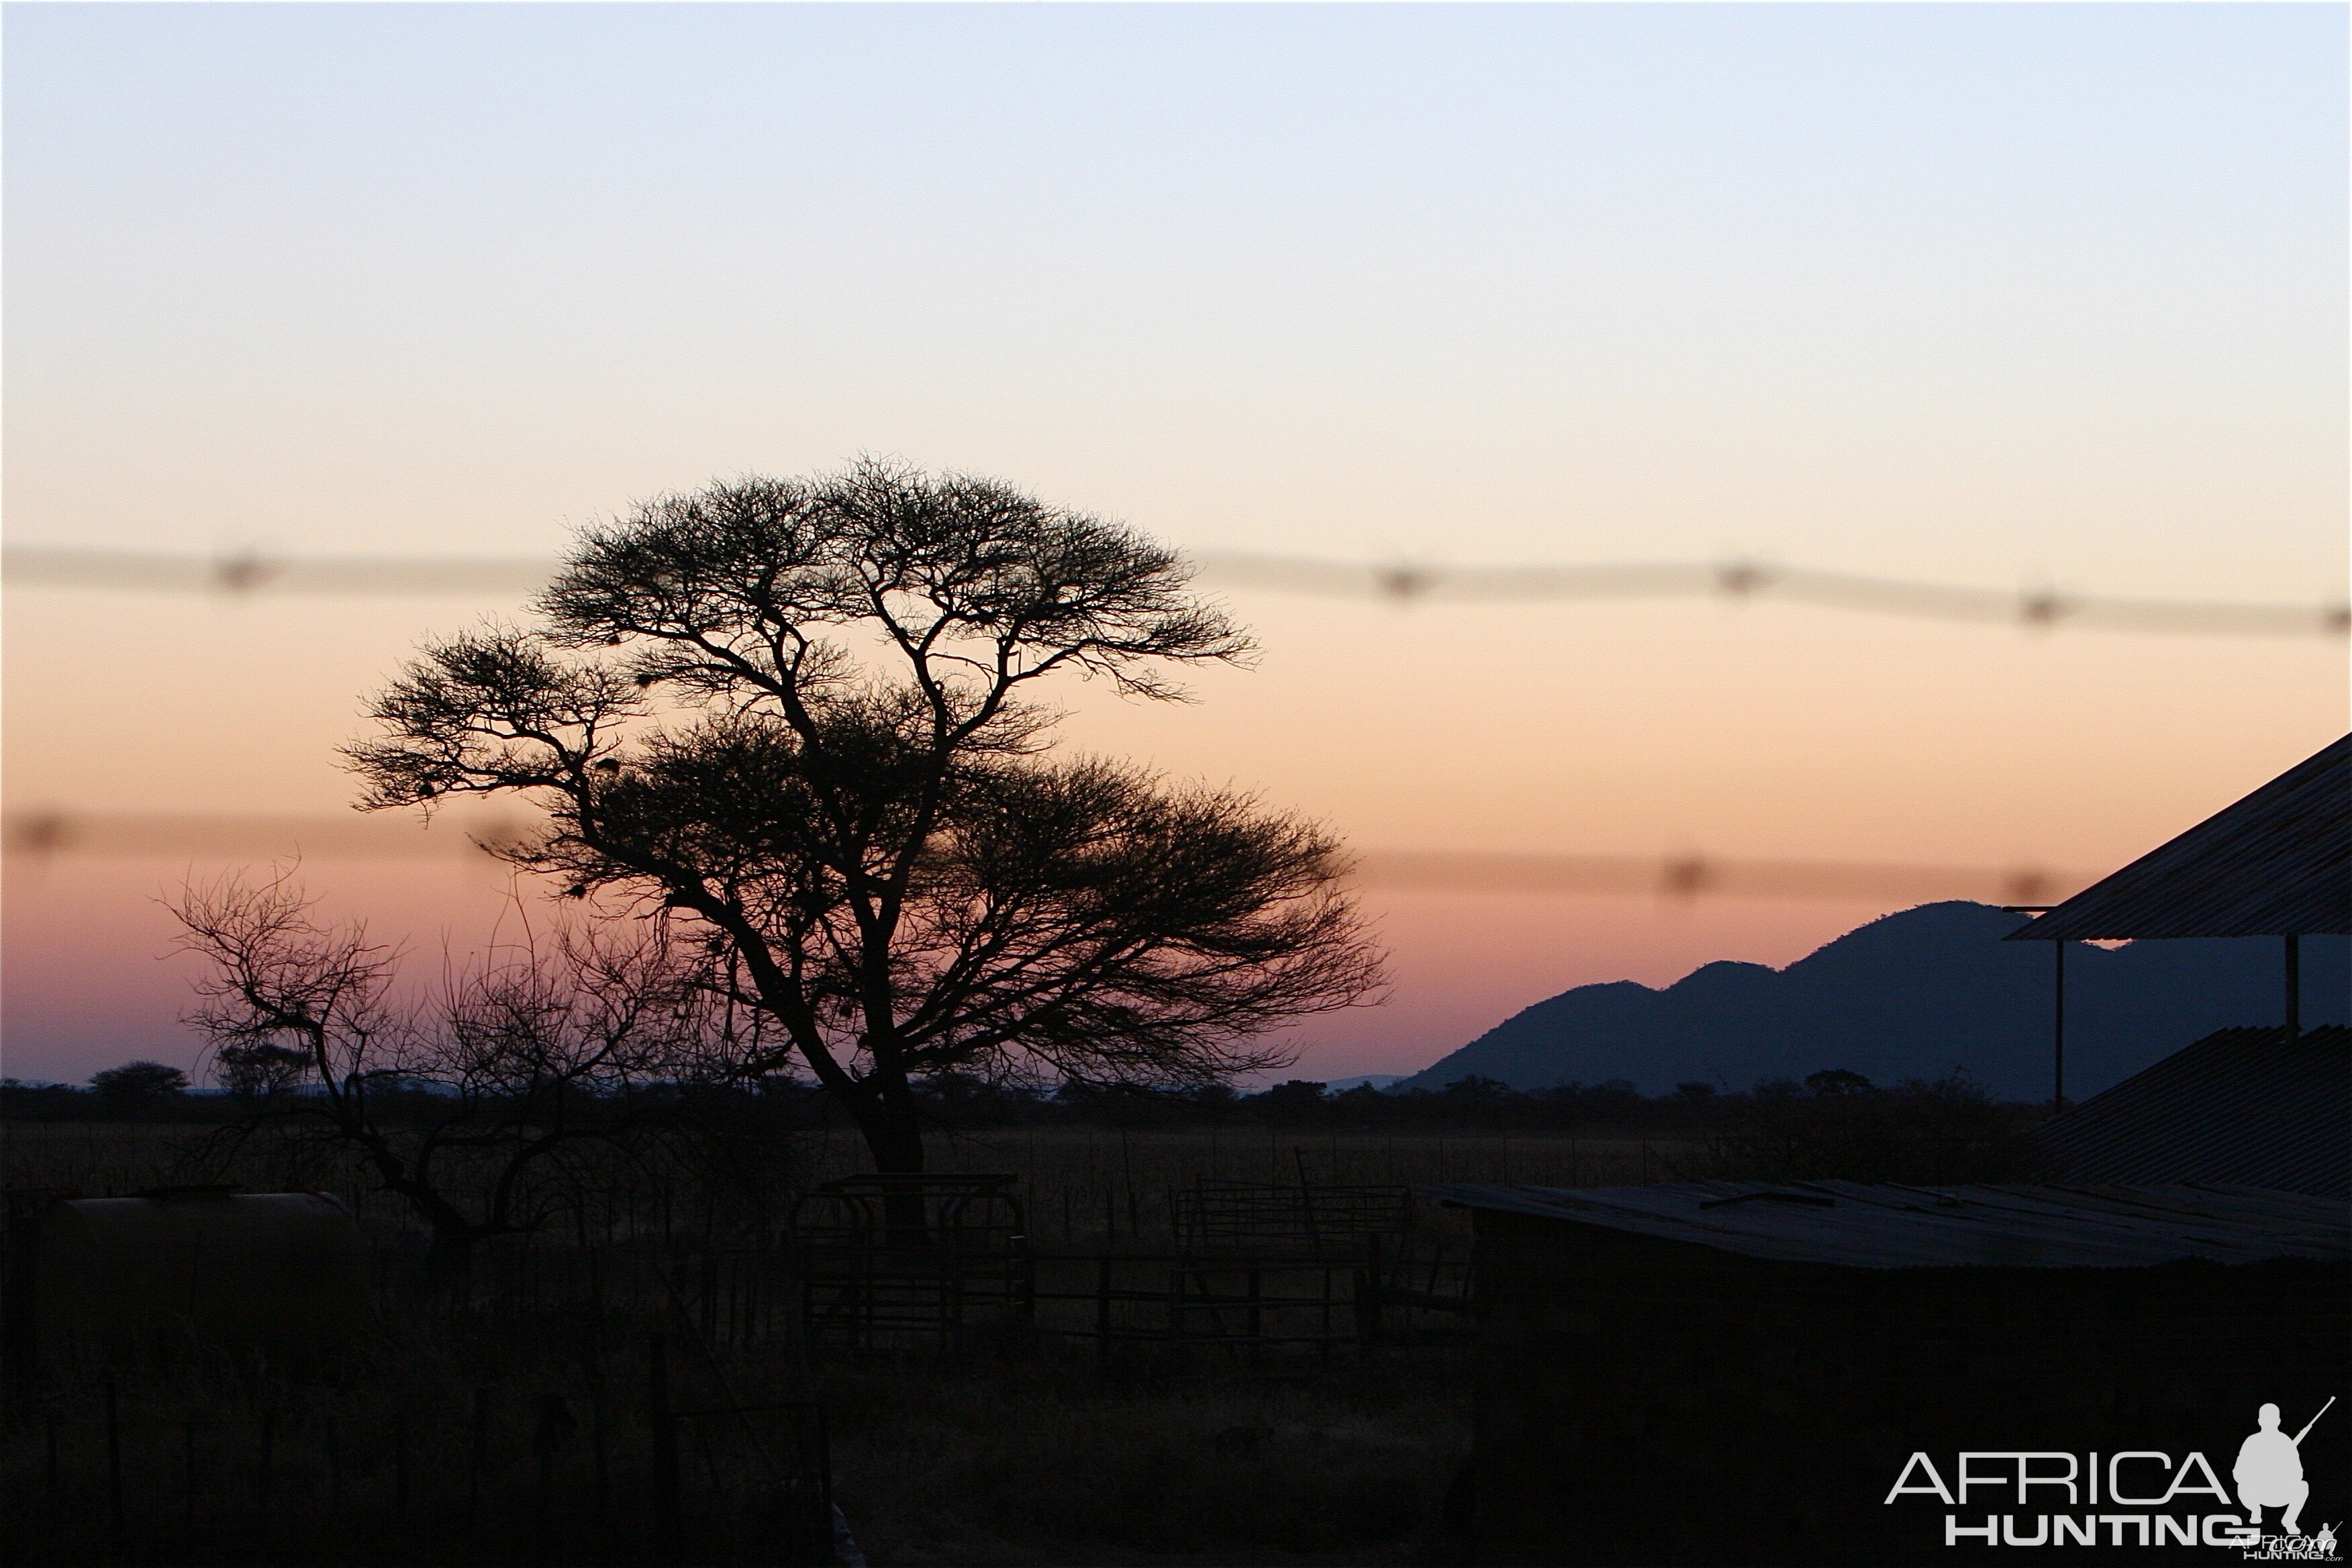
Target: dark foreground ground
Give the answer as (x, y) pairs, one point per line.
(511, 1424)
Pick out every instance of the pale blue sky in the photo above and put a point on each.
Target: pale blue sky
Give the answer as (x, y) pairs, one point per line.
(1975, 290)
(2014, 295)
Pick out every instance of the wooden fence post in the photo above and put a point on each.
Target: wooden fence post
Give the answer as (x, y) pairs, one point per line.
(552, 1420)
(264, 1479)
(596, 1443)
(1256, 1318)
(709, 1291)
(664, 1476)
(1102, 1311)
(1323, 1339)
(113, 1461)
(481, 1457)
(400, 1463)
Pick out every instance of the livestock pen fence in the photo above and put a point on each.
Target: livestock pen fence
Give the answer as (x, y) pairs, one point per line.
(870, 1263)
(951, 1291)
(640, 1400)
(647, 1399)
(637, 1381)
(1261, 1272)
(622, 1458)
(1267, 1273)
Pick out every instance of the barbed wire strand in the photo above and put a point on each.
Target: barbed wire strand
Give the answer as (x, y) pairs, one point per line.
(1401, 583)
(38, 835)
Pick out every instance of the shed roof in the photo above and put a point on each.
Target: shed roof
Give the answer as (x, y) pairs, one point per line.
(1881, 1226)
(2259, 1107)
(2277, 863)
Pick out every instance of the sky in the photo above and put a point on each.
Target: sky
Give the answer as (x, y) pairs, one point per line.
(2009, 296)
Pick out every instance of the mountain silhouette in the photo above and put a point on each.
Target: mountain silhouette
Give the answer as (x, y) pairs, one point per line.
(1913, 996)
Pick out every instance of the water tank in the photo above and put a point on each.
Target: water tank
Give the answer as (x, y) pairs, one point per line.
(282, 1273)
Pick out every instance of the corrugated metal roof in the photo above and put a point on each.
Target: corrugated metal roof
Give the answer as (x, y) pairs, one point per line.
(2278, 863)
(1866, 1226)
(2254, 1107)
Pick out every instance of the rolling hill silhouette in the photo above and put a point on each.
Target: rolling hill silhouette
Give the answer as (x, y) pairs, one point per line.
(1912, 995)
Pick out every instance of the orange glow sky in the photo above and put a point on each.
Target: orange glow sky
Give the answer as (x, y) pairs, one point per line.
(1992, 295)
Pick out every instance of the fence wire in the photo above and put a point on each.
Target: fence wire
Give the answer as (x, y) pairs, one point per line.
(1398, 583)
(39, 833)
(34, 835)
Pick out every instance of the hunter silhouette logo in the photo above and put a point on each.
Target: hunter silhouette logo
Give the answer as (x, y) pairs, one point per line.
(2269, 1471)
(2171, 1504)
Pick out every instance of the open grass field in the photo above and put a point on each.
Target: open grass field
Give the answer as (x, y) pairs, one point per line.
(1020, 1448)
(1030, 1465)
(1079, 1185)
(508, 1421)
(1085, 1186)
(1026, 1461)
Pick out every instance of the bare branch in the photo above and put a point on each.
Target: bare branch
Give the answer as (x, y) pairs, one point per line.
(795, 715)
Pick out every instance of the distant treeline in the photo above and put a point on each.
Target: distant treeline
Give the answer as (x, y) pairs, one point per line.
(1469, 1103)
(154, 1099)
(141, 1091)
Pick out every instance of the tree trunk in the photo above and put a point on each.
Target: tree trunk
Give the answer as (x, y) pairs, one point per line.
(449, 1259)
(893, 1136)
(896, 1142)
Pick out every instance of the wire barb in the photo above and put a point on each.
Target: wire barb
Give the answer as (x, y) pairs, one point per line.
(35, 836)
(1401, 583)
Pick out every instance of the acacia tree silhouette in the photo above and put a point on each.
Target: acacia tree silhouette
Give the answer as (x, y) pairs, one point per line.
(798, 713)
(137, 1088)
(529, 1061)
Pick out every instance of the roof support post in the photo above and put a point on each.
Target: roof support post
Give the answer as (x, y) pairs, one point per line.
(2058, 1033)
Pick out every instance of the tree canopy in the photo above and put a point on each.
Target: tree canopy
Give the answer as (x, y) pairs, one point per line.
(136, 1088)
(462, 1099)
(801, 716)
